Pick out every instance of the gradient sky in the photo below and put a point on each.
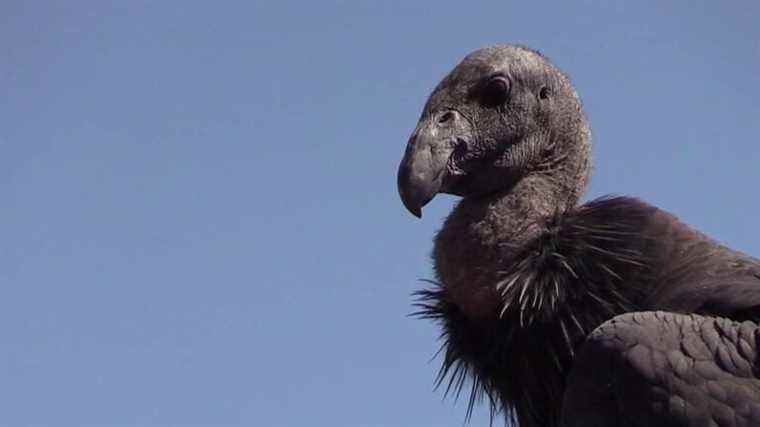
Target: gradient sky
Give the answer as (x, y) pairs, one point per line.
(200, 224)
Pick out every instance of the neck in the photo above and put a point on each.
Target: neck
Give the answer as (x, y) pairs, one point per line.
(511, 215)
(486, 231)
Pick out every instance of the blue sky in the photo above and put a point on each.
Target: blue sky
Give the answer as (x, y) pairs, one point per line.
(200, 224)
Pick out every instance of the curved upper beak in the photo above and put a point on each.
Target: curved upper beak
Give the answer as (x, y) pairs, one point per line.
(422, 171)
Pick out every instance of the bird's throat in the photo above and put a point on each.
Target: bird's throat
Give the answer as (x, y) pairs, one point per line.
(487, 231)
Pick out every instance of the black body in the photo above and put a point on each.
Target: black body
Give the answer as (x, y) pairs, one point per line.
(533, 288)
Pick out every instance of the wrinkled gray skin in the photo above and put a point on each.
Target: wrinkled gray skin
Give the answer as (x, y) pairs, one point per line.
(525, 273)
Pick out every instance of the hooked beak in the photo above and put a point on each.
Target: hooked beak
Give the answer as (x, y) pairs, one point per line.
(423, 170)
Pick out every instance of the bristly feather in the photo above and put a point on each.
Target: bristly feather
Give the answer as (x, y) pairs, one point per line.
(561, 286)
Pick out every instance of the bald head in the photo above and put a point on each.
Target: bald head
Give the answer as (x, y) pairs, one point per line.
(502, 113)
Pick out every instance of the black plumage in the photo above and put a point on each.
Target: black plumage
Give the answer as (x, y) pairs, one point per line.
(526, 275)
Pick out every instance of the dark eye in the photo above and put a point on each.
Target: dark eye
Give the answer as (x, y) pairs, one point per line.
(496, 91)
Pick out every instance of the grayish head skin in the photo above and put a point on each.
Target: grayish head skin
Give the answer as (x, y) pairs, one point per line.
(505, 112)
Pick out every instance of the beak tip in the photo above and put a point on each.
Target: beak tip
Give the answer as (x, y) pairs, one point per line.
(413, 208)
(409, 198)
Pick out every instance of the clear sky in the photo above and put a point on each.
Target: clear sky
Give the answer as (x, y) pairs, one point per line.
(200, 224)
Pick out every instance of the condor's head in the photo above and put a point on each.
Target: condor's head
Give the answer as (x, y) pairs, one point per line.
(503, 113)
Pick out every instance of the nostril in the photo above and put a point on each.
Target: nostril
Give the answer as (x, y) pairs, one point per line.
(446, 117)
